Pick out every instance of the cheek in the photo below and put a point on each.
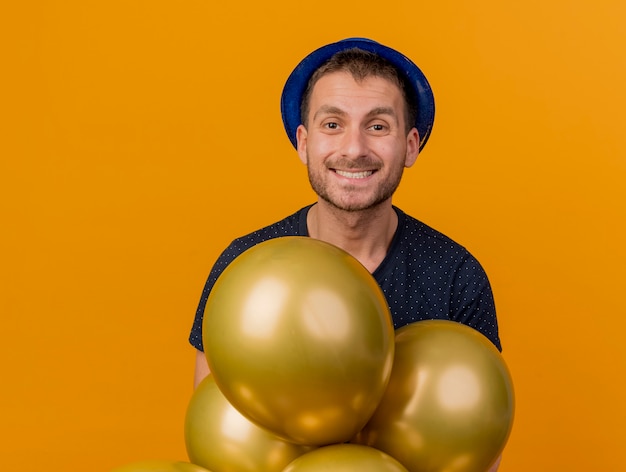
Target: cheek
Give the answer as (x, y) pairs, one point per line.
(320, 147)
(397, 152)
(389, 152)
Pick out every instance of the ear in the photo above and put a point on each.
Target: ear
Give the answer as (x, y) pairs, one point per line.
(301, 140)
(412, 147)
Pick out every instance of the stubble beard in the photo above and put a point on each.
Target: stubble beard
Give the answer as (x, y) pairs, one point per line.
(383, 193)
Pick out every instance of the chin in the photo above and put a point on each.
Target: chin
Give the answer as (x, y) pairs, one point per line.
(354, 207)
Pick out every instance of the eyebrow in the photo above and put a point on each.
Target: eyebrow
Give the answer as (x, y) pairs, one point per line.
(333, 110)
(382, 111)
(329, 110)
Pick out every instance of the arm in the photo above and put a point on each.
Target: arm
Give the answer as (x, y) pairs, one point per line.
(195, 336)
(496, 464)
(476, 308)
(202, 368)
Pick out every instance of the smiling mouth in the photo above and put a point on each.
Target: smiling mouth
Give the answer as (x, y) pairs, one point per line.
(355, 175)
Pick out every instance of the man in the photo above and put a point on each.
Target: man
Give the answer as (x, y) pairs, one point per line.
(358, 113)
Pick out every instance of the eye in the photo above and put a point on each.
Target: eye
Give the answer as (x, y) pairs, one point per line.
(331, 125)
(378, 127)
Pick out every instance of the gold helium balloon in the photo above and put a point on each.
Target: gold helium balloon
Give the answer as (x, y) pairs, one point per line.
(299, 338)
(160, 466)
(219, 438)
(449, 404)
(345, 458)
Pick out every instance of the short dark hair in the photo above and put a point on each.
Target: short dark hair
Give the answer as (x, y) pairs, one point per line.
(362, 64)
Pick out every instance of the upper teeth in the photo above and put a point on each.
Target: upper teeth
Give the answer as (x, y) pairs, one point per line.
(355, 175)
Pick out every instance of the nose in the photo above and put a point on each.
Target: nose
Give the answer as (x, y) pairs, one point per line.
(354, 143)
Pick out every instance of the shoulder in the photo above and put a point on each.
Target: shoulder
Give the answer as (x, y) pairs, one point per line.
(419, 250)
(415, 236)
(292, 225)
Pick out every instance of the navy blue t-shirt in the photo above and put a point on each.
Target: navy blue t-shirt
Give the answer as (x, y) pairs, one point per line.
(425, 275)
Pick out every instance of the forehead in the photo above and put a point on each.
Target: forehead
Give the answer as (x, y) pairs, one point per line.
(342, 87)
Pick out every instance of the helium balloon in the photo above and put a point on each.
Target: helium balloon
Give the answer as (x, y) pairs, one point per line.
(345, 458)
(159, 466)
(449, 404)
(219, 438)
(299, 338)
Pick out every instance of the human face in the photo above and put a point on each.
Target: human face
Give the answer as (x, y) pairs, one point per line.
(355, 143)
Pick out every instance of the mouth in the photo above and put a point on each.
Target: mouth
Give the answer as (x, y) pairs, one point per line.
(354, 175)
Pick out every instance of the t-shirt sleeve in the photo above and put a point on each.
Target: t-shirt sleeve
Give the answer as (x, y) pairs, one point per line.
(472, 302)
(229, 254)
(293, 225)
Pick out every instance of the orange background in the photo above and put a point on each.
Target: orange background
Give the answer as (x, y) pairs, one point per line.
(139, 137)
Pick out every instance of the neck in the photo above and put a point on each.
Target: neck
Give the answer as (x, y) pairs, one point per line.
(366, 235)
